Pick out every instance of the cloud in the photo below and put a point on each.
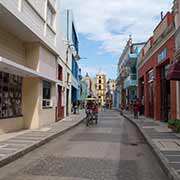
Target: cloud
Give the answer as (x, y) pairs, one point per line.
(92, 71)
(112, 21)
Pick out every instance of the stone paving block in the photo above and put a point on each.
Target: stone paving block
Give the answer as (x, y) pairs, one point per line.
(167, 144)
(171, 152)
(96, 169)
(149, 124)
(101, 137)
(104, 130)
(25, 138)
(7, 151)
(14, 146)
(108, 125)
(19, 142)
(173, 158)
(175, 165)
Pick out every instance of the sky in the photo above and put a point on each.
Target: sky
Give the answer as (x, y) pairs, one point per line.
(104, 27)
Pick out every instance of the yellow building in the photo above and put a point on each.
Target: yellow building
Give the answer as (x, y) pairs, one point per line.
(101, 88)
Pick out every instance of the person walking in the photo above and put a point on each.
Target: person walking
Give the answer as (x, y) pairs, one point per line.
(135, 109)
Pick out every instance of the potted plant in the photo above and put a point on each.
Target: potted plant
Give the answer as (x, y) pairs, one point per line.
(174, 124)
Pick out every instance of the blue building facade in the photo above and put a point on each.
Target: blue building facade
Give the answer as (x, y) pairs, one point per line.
(73, 53)
(130, 82)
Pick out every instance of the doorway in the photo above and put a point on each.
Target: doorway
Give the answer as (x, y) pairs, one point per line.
(165, 93)
(67, 102)
(151, 93)
(60, 107)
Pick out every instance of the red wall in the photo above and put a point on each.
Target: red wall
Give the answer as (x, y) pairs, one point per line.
(152, 63)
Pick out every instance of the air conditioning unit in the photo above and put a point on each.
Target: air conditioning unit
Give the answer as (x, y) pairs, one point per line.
(47, 103)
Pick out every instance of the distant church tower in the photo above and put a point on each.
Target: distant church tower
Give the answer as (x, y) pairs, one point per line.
(101, 87)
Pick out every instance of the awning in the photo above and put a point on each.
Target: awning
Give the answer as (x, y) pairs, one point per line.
(174, 72)
(9, 66)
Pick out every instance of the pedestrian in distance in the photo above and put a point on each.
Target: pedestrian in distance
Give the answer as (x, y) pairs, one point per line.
(135, 109)
(139, 102)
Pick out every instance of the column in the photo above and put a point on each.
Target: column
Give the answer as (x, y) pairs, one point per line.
(157, 96)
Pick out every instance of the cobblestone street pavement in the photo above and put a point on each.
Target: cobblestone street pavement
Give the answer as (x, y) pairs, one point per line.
(164, 142)
(111, 150)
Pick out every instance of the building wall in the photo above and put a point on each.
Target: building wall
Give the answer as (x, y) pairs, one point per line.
(11, 47)
(47, 63)
(11, 124)
(38, 58)
(31, 102)
(178, 100)
(47, 115)
(176, 9)
(151, 63)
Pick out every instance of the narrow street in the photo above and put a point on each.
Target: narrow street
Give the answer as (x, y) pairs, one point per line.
(112, 150)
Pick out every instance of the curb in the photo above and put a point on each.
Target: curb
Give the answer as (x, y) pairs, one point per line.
(171, 173)
(34, 146)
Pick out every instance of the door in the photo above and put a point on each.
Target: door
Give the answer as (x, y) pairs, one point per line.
(60, 107)
(165, 94)
(151, 99)
(67, 102)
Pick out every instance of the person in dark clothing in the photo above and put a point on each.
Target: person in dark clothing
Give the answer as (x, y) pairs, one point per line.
(135, 109)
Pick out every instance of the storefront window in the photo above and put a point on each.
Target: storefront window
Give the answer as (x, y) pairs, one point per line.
(46, 94)
(10, 95)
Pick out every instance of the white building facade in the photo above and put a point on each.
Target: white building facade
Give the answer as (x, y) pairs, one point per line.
(32, 53)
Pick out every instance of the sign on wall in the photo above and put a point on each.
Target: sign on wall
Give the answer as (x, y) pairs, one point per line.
(162, 55)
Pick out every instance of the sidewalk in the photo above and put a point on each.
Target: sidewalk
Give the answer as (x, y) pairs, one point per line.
(15, 145)
(165, 143)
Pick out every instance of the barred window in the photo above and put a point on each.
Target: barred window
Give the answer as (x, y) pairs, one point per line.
(10, 95)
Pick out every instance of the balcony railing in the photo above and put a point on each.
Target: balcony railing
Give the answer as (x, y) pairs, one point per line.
(131, 80)
(131, 59)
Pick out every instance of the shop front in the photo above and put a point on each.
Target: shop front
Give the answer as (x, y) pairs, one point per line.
(26, 98)
(173, 74)
(165, 93)
(151, 93)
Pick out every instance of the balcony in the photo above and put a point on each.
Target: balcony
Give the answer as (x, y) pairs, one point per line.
(130, 81)
(131, 60)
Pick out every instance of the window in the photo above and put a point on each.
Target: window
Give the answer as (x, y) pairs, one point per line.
(50, 15)
(60, 72)
(47, 94)
(99, 81)
(99, 87)
(74, 38)
(68, 77)
(10, 95)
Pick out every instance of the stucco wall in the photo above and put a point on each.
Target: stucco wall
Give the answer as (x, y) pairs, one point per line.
(160, 28)
(39, 5)
(47, 63)
(31, 102)
(12, 124)
(47, 116)
(11, 47)
(177, 13)
(32, 55)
